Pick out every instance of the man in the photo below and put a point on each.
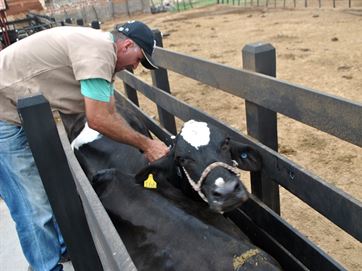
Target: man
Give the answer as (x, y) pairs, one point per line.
(73, 67)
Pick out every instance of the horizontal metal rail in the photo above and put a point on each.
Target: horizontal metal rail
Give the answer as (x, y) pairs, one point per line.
(333, 203)
(110, 248)
(336, 116)
(265, 228)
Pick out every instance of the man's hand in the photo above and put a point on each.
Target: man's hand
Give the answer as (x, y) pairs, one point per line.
(103, 117)
(155, 150)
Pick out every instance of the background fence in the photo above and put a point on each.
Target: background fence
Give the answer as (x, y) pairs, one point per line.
(181, 5)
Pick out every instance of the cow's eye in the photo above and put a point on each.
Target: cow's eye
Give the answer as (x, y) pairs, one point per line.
(225, 147)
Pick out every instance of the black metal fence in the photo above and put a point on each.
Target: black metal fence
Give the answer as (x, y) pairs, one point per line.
(259, 217)
(265, 96)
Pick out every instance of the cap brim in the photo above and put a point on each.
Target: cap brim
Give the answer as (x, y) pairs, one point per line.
(147, 61)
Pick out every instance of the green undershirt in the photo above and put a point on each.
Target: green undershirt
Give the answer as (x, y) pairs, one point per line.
(97, 89)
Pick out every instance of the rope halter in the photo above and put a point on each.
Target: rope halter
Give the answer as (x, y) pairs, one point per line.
(196, 186)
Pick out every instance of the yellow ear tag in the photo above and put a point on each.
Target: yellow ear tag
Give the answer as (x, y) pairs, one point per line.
(150, 182)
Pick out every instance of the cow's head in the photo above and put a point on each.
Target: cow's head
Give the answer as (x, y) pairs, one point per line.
(204, 160)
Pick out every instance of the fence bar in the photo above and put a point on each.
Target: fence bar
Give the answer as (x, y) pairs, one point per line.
(293, 243)
(160, 80)
(262, 122)
(300, 103)
(131, 92)
(110, 247)
(288, 238)
(44, 142)
(339, 207)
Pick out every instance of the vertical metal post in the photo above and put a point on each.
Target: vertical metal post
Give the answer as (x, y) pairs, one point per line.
(262, 122)
(41, 132)
(131, 92)
(160, 80)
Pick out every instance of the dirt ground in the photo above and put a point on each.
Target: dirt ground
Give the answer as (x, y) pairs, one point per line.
(317, 48)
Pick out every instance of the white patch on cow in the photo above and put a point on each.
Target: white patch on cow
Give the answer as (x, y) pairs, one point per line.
(196, 133)
(219, 182)
(86, 136)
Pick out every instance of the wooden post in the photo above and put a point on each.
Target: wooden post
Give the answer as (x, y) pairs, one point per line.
(160, 80)
(41, 132)
(131, 92)
(262, 122)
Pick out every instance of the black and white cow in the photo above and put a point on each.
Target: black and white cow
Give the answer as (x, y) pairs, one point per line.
(169, 227)
(202, 162)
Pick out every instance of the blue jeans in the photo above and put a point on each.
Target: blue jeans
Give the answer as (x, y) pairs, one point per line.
(24, 194)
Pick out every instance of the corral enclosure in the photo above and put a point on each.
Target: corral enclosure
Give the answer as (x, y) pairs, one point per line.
(318, 48)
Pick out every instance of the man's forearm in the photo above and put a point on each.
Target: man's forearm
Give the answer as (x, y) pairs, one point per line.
(112, 125)
(104, 118)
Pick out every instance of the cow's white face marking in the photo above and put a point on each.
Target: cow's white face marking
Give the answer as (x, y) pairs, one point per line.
(219, 182)
(86, 136)
(196, 133)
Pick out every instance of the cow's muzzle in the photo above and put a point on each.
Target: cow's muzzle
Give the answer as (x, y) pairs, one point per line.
(196, 185)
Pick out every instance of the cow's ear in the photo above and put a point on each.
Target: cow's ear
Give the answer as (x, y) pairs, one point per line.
(160, 168)
(248, 158)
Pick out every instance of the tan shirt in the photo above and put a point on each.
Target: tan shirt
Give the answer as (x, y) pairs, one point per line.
(52, 62)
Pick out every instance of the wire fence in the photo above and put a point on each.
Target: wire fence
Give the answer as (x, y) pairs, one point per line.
(294, 3)
(181, 5)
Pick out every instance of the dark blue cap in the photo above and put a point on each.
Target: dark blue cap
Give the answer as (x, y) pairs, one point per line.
(142, 35)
